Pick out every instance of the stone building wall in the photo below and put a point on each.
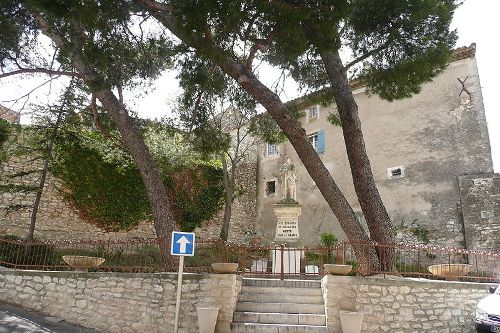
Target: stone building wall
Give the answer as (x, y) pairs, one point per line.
(243, 213)
(403, 305)
(122, 303)
(480, 199)
(56, 218)
(434, 136)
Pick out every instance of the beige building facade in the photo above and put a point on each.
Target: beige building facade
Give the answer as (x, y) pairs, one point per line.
(419, 149)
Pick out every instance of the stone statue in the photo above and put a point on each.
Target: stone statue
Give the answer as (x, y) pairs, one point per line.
(288, 178)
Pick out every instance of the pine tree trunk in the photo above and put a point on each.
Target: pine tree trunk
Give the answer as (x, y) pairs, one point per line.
(229, 189)
(377, 219)
(162, 216)
(45, 170)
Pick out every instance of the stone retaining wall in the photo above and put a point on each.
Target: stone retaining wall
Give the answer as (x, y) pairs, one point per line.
(122, 302)
(402, 305)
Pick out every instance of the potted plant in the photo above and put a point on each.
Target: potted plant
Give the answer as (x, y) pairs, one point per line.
(329, 241)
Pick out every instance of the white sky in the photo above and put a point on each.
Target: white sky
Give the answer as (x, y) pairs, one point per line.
(477, 22)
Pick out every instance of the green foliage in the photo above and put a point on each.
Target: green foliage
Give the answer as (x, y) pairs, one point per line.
(5, 129)
(421, 233)
(334, 119)
(263, 126)
(12, 188)
(196, 193)
(328, 239)
(108, 191)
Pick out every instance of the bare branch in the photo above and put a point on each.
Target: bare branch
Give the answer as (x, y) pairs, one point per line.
(15, 100)
(38, 70)
(367, 55)
(260, 45)
(156, 5)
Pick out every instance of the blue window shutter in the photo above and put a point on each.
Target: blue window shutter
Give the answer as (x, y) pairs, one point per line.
(320, 145)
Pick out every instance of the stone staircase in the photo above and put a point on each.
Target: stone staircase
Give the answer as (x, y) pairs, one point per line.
(274, 306)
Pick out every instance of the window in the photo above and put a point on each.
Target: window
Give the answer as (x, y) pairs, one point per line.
(396, 172)
(313, 139)
(271, 188)
(313, 113)
(317, 140)
(272, 149)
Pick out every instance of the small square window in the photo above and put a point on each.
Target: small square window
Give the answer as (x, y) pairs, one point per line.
(271, 188)
(272, 149)
(313, 113)
(396, 172)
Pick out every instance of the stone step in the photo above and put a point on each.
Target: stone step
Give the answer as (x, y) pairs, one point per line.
(279, 318)
(281, 308)
(280, 298)
(278, 328)
(282, 283)
(281, 291)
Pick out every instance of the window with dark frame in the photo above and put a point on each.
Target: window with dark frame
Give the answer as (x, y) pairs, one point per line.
(271, 188)
(396, 172)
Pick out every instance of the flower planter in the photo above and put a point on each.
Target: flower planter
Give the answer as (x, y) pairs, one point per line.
(450, 269)
(225, 268)
(351, 321)
(335, 269)
(83, 263)
(207, 318)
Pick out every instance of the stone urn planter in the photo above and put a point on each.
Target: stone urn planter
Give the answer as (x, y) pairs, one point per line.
(207, 318)
(450, 269)
(83, 263)
(336, 269)
(225, 267)
(351, 321)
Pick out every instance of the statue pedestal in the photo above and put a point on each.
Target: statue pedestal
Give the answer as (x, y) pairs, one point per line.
(287, 232)
(287, 229)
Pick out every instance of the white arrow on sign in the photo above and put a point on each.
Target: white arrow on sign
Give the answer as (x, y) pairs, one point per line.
(183, 241)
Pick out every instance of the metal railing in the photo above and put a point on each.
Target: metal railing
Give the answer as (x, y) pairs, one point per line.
(280, 261)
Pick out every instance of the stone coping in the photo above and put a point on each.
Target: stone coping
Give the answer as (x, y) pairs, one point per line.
(96, 275)
(391, 280)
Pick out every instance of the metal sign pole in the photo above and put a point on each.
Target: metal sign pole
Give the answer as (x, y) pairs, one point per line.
(179, 291)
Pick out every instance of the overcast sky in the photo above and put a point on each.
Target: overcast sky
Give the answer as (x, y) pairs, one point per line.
(477, 22)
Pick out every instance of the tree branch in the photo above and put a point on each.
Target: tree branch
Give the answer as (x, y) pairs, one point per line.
(38, 70)
(260, 45)
(156, 5)
(367, 55)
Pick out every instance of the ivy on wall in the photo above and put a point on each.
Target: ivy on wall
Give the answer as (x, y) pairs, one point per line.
(5, 128)
(196, 193)
(111, 194)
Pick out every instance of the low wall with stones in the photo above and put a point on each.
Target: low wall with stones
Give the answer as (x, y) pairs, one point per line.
(403, 305)
(124, 302)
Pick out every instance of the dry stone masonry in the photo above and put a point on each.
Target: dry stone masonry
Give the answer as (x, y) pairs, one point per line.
(134, 302)
(122, 303)
(399, 305)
